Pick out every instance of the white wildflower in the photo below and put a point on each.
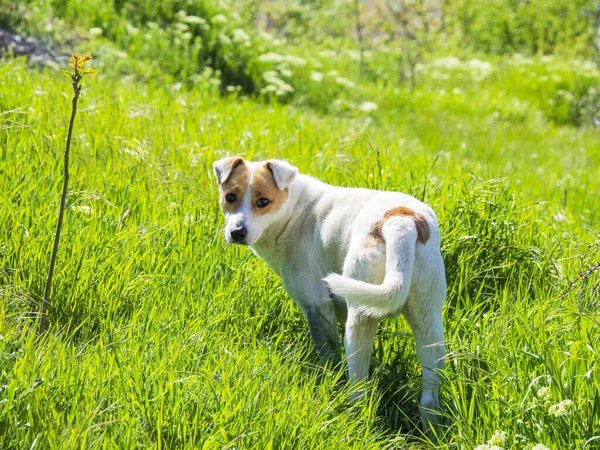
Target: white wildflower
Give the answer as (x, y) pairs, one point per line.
(519, 438)
(194, 20)
(96, 31)
(276, 85)
(138, 153)
(270, 74)
(561, 408)
(560, 217)
(482, 66)
(539, 447)
(498, 438)
(131, 30)
(283, 88)
(296, 61)
(344, 82)
(327, 54)
(225, 40)
(271, 58)
(449, 62)
(543, 394)
(82, 209)
(566, 94)
(519, 59)
(589, 65)
(188, 219)
(496, 442)
(367, 106)
(241, 37)
(196, 161)
(219, 19)
(317, 77)
(479, 69)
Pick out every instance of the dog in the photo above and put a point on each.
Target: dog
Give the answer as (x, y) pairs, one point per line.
(347, 255)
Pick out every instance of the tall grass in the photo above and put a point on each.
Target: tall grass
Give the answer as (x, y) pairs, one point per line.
(163, 336)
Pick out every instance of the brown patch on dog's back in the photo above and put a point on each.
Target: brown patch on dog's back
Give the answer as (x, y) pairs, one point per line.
(236, 183)
(375, 238)
(263, 186)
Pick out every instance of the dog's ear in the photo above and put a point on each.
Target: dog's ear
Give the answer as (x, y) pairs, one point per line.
(283, 173)
(225, 167)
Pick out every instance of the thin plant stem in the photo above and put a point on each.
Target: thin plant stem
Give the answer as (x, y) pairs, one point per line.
(63, 200)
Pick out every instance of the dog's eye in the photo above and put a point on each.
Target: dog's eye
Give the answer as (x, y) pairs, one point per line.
(262, 202)
(230, 198)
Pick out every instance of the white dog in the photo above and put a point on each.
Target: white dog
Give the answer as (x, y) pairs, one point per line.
(385, 245)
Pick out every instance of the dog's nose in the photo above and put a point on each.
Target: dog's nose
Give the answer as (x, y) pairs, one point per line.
(239, 234)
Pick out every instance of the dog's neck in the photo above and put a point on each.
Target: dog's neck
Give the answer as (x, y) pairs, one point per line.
(303, 194)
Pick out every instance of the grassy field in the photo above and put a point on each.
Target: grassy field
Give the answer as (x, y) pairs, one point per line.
(163, 336)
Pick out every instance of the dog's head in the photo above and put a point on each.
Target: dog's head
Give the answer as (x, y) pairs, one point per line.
(253, 195)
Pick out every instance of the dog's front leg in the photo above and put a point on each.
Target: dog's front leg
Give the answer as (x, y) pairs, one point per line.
(323, 330)
(313, 297)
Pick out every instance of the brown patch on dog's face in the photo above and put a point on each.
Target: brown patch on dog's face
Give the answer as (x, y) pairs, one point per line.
(375, 238)
(263, 187)
(236, 184)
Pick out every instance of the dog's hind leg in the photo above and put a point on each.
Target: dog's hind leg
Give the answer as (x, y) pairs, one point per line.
(358, 343)
(375, 283)
(423, 311)
(429, 338)
(365, 264)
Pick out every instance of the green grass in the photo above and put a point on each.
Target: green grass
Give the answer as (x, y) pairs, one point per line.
(163, 336)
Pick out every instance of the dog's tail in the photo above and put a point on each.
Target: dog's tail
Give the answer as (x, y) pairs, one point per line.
(386, 299)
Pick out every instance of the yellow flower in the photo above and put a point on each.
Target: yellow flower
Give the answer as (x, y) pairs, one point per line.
(77, 62)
